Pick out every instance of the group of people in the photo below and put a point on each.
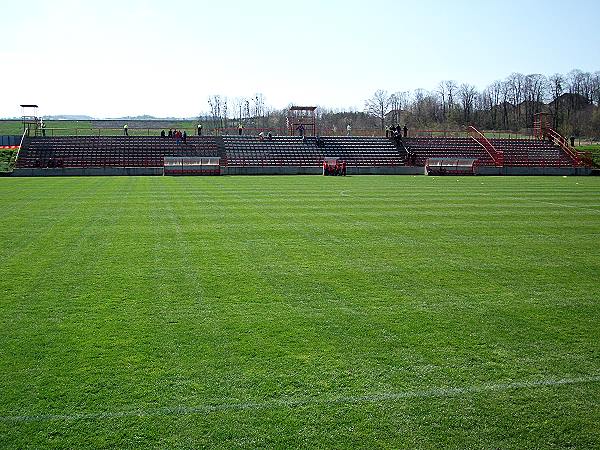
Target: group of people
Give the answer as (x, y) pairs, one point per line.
(172, 133)
(177, 134)
(261, 136)
(348, 130)
(396, 131)
(337, 169)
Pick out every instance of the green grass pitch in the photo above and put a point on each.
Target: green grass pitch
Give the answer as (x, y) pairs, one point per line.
(281, 312)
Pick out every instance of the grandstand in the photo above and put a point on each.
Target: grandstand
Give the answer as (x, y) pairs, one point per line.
(148, 155)
(103, 151)
(311, 151)
(365, 151)
(305, 153)
(516, 152)
(421, 149)
(278, 151)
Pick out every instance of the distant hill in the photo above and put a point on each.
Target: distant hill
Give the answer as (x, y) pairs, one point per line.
(144, 117)
(68, 117)
(575, 101)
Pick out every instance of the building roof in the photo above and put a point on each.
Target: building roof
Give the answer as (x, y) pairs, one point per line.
(302, 108)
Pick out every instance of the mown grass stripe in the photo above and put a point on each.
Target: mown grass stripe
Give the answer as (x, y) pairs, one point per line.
(309, 401)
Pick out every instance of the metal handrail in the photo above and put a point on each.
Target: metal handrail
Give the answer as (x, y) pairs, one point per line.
(25, 132)
(579, 158)
(496, 155)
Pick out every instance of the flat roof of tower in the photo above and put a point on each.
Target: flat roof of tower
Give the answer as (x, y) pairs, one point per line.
(302, 108)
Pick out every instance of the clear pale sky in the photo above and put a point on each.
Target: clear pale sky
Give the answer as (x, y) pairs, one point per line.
(113, 58)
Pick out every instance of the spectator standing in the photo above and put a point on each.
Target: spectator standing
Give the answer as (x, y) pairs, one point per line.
(199, 129)
(125, 130)
(184, 137)
(348, 130)
(405, 130)
(162, 133)
(240, 129)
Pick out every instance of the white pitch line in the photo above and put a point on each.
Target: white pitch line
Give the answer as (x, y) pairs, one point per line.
(562, 205)
(308, 401)
(566, 206)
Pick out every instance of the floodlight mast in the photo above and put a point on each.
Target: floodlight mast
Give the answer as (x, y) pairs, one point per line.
(31, 121)
(305, 116)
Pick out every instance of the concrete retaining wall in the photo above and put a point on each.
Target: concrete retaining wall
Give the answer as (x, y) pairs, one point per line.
(317, 170)
(89, 171)
(516, 170)
(386, 170)
(294, 170)
(272, 170)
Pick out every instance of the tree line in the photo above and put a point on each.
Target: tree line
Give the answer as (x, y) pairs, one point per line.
(573, 99)
(510, 104)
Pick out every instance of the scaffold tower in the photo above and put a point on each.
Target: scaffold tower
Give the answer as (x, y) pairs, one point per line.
(304, 116)
(31, 121)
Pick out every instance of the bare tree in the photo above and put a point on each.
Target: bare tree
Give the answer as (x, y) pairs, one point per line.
(576, 81)
(516, 81)
(495, 90)
(505, 95)
(379, 106)
(578, 86)
(442, 91)
(258, 108)
(556, 83)
(596, 88)
(417, 106)
(246, 109)
(224, 109)
(467, 93)
(395, 107)
(238, 108)
(214, 101)
(533, 93)
(451, 88)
